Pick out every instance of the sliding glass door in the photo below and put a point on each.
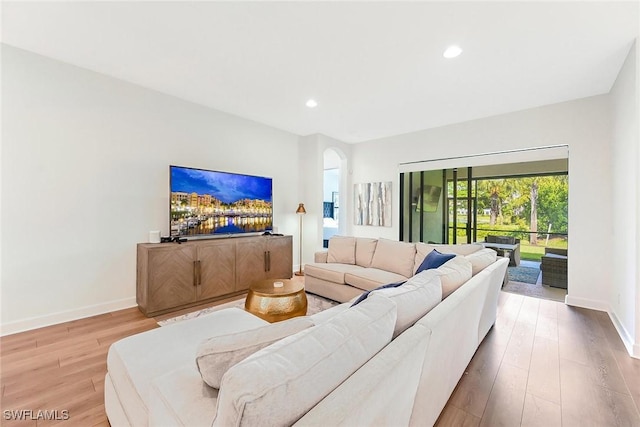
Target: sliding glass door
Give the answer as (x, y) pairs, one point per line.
(437, 206)
(528, 201)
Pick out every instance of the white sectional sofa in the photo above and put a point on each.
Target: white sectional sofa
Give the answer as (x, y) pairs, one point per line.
(393, 359)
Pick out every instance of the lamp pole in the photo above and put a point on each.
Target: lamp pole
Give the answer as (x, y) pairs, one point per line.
(300, 211)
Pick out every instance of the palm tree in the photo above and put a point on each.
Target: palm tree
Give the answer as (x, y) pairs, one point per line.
(490, 195)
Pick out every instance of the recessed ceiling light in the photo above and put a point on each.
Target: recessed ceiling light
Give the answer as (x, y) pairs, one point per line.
(311, 103)
(452, 51)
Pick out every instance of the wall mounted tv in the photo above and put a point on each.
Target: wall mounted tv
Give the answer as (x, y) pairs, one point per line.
(208, 203)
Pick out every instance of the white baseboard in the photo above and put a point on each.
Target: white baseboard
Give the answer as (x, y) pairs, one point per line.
(65, 316)
(586, 303)
(632, 348)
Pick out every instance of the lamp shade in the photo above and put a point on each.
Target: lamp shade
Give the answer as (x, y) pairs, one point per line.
(301, 210)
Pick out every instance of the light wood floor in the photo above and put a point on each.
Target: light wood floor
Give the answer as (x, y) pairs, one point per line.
(547, 364)
(542, 364)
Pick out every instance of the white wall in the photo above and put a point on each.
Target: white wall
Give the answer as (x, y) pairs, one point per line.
(85, 161)
(625, 280)
(583, 125)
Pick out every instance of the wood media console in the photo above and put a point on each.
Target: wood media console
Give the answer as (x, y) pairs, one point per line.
(172, 276)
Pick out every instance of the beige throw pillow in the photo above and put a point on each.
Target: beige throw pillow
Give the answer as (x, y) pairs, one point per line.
(342, 250)
(397, 257)
(454, 273)
(216, 355)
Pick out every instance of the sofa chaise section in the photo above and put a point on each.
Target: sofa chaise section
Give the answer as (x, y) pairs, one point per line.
(153, 380)
(134, 362)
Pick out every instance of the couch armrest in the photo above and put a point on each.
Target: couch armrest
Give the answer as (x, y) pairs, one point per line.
(321, 257)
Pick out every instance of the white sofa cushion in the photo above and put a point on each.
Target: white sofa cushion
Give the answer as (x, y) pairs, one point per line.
(414, 299)
(365, 248)
(397, 257)
(423, 249)
(459, 249)
(282, 382)
(453, 274)
(326, 315)
(434, 259)
(380, 393)
(481, 259)
(342, 250)
(370, 278)
(180, 398)
(216, 355)
(133, 362)
(330, 272)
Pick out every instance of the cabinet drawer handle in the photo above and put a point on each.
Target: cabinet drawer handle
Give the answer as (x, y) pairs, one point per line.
(199, 273)
(268, 260)
(195, 273)
(265, 261)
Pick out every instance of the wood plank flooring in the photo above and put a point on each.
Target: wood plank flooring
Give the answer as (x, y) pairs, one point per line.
(547, 364)
(542, 364)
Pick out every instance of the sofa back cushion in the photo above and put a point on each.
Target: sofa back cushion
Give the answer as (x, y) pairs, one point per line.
(342, 250)
(434, 259)
(481, 259)
(282, 382)
(415, 298)
(216, 355)
(454, 273)
(365, 248)
(397, 257)
(423, 249)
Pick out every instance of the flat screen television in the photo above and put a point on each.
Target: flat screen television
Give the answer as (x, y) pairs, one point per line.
(209, 203)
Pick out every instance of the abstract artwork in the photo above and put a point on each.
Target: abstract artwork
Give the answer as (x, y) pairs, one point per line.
(372, 203)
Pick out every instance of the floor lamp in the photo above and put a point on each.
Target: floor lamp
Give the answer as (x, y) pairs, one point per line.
(300, 211)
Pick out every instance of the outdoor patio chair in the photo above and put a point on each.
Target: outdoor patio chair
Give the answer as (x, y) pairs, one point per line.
(554, 267)
(514, 255)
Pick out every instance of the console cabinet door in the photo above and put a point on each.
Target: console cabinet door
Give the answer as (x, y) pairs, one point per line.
(173, 276)
(170, 277)
(280, 257)
(251, 262)
(216, 269)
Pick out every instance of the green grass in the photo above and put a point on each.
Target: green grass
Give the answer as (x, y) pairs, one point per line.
(534, 252)
(527, 251)
(530, 252)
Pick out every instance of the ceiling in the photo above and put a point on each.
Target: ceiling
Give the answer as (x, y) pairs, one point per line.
(375, 68)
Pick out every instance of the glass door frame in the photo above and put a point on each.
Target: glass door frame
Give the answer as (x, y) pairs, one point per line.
(447, 203)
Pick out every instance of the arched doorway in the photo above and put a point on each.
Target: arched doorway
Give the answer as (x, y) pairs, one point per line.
(333, 195)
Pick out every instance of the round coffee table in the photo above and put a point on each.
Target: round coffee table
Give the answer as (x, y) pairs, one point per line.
(276, 303)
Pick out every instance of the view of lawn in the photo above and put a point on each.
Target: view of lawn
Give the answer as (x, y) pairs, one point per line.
(534, 253)
(527, 250)
(519, 207)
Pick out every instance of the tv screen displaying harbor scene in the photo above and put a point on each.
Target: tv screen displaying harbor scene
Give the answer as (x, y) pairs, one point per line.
(205, 202)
